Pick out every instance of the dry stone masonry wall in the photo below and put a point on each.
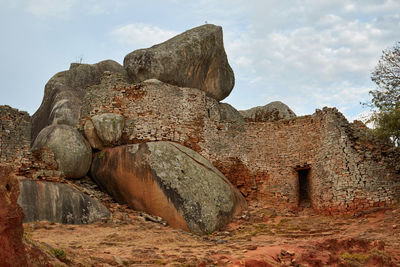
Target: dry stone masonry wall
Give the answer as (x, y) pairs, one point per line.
(320, 160)
(263, 159)
(15, 135)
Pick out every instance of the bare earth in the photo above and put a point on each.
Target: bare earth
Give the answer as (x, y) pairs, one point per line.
(259, 238)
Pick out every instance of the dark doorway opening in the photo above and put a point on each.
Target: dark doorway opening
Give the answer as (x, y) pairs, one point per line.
(304, 188)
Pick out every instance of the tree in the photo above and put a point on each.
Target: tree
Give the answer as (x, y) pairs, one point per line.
(386, 98)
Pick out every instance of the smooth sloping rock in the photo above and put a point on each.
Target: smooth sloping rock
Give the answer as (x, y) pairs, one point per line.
(12, 250)
(271, 112)
(72, 152)
(59, 203)
(109, 127)
(171, 181)
(63, 93)
(229, 113)
(195, 58)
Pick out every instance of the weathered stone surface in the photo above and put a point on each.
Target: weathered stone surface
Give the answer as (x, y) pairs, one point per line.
(12, 250)
(109, 127)
(229, 113)
(195, 58)
(246, 153)
(273, 111)
(15, 134)
(60, 203)
(171, 181)
(91, 135)
(72, 152)
(63, 93)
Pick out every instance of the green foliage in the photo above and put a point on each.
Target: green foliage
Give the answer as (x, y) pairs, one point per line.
(355, 259)
(387, 124)
(60, 254)
(386, 98)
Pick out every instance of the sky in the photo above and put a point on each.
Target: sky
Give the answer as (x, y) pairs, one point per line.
(306, 53)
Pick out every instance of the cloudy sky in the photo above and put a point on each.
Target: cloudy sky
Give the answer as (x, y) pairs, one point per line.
(305, 53)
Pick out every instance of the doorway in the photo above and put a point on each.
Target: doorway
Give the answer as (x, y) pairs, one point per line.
(304, 188)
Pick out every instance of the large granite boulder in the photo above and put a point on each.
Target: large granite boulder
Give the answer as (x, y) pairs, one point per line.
(72, 152)
(12, 249)
(91, 135)
(271, 112)
(109, 127)
(59, 203)
(195, 58)
(171, 181)
(64, 91)
(228, 113)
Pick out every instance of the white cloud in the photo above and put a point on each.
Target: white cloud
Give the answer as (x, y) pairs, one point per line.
(101, 7)
(50, 8)
(314, 53)
(141, 35)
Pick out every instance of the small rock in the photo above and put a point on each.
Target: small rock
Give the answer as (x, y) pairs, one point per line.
(118, 260)
(251, 247)
(220, 241)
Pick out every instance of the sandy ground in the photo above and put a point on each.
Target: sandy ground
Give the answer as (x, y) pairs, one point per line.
(259, 238)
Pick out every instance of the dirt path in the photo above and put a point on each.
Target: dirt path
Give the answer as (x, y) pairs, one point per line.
(260, 238)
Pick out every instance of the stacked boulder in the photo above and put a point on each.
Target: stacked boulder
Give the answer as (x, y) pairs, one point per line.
(161, 178)
(195, 58)
(273, 111)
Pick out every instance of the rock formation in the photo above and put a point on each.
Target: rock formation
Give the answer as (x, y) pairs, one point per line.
(271, 112)
(170, 181)
(63, 93)
(12, 249)
(195, 58)
(59, 203)
(108, 127)
(228, 113)
(72, 152)
(170, 92)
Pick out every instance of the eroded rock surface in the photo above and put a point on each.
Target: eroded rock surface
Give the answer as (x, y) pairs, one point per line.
(229, 113)
(171, 181)
(63, 93)
(12, 250)
(72, 152)
(273, 111)
(59, 203)
(109, 127)
(195, 58)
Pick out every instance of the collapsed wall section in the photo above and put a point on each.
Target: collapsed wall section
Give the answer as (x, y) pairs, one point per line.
(346, 168)
(353, 170)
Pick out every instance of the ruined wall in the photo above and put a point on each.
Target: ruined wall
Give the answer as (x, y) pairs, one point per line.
(262, 159)
(347, 169)
(15, 132)
(353, 171)
(15, 141)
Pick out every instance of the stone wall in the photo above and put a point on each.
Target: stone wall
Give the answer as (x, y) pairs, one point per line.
(353, 170)
(15, 134)
(346, 170)
(15, 137)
